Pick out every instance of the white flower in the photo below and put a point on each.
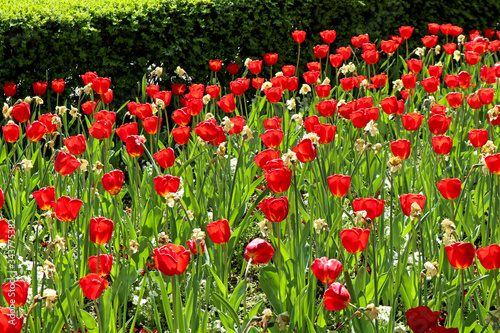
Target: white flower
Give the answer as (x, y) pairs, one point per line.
(266, 85)
(298, 118)
(159, 71)
(227, 124)
(206, 99)
(265, 227)
(27, 165)
(179, 71)
(247, 60)
(372, 127)
(290, 104)
(456, 55)
(305, 89)
(278, 74)
(50, 298)
(247, 133)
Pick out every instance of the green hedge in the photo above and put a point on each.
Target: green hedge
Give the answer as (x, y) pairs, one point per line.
(122, 38)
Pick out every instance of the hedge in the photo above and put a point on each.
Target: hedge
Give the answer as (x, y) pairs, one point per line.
(122, 38)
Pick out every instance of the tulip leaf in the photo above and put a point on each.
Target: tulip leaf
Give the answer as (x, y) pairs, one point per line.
(270, 284)
(90, 323)
(229, 309)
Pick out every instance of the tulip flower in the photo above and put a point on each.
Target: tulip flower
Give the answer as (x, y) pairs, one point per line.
(288, 70)
(101, 230)
(77, 144)
(401, 148)
(165, 158)
(101, 129)
(474, 101)
(9, 323)
(310, 123)
(47, 120)
(406, 31)
(429, 41)
(336, 60)
(152, 89)
(66, 208)
(39, 88)
(151, 125)
(326, 270)
(207, 130)
(311, 77)
(272, 123)
(89, 107)
(472, 58)
(421, 319)
(255, 66)
(93, 286)
(88, 77)
(65, 164)
(182, 116)
(388, 46)
(171, 259)
(414, 65)
(339, 185)
(237, 88)
(9, 89)
(455, 99)
(273, 94)
(336, 297)
(181, 135)
(272, 138)
(354, 240)
(362, 117)
(486, 95)
(134, 145)
(270, 58)
(325, 132)
(371, 57)
(142, 111)
(433, 28)
(15, 292)
(105, 264)
(166, 184)
(409, 80)
(6, 231)
(58, 86)
(101, 85)
(305, 150)
(430, 84)
(328, 36)
(327, 108)
(35, 131)
(478, 137)
(227, 103)
(113, 181)
(178, 88)
(347, 83)
(11, 132)
(21, 112)
(460, 255)
(44, 197)
(439, 124)
(299, 36)
(278, 81)
(213, 91)
(450, 188)
(389, 105)
(345, 52)
(219, 231)
(259, 251)
(278, 179)
(358, 41)
(412, 121)
(275, 209)
(436, 71)
(238, 125)
(191, 243)
(164, 96)
(195, 106)
(320, 51)
(439, 109)
(215, 65)
(265, 156)
(450, 48)
(489, 256)
(407, 200)
(493, 163)
(442, 144)
(107, 97)
(105, 116)
(233, 68)
(373, 207)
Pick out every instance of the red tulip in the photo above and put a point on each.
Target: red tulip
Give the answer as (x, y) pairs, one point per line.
(311, 122)
(478, 137)
(273, 94)
(336, 297)
(336, 60)
(15, 292)
(311, 77)
(354, 240)
(195, 106)
(219, 231)
(323, 90)
(450, 48)
(378, 81)
(88, 77)
(430, 84)
(6, 231)
(11, 132)
(165, 158)
(409, 80)
(178, 88)
(328, 36)
(388, 46)
(101, 129)
(105, 264)
(433, 28)
(142, 111)
(166, 184)
(436, 71)
(165, 96)
(450, 188)
(373, 207)
(401, 148)
(489, 256)
(442, 144)
(107, 97)
(171, 259)
(275, 209)
(346, 109)
(439, 109)
(134, 145)
(493, 163)
(255, 66)
(44, 197)
(414, 65)
(101, 85)
(347, 83)
(58, 86)
(182, 117)
(407, 200)
(279, 81)
(327, 108)
(21, 112)
(191, 243)
(406, 31)
(128, 129)
(305, 150)
(486, 95)
(270, 58)
(89, 107)
(213, 91)
(93, 286)
(9, 89)
(259, 251)
(325, 132)
(278, 179)
(67, 208)
(460, 255)
(288, 70)
(265, 156)
(46, 119)
(299, 36)
(326, 270)
(358, 41)
(9, 323)
(65, 164)
(474, 101)
(272, 138)
(439, 124)
(40, 88)
(100, 230)
(215, 65)
(320, 51)
(390, 105)
(239, 86)
(152, 89)
(272, 123)
(421, 319)
(35, 131)
(371, 57)
(181, 135)
(345, 52)
(362, 117)
(151, 124)
(429, 41)
(339, 185)
(455, 99)
(238, 124)
(227, 103)
(207, 130)
(472, 58)
(258, 82)
(412, 121)
(113, 181)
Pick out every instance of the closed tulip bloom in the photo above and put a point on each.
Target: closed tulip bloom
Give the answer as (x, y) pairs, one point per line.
(67, 208)
(486, 95)
(113, 181)
(39, 88)
(93, 286)
(9, 89)
(89, 107)
(450, 188)
(165, 96)
(265, 156)
(171, 259)
(478, 137)
(439, 124)
(44, 197)
(493, 163)
(181, 135)
(455, 99)
(6, 231)
(489, 256)
(320, 51)
(219, 231)
(227, 103)
(430, 84)
(347, 83)
(314, 66)
(362, 117)
(272, 123)
(429, 41)
(191, 243)
(275, 209)
(258, 82)
(65, 164)
(272, 138)
(464, 80)
(414, 65)
(407, 200)
(311, 77)
(152, 89)
(259, 251)
(336, 60)
(134, 145)
(421, 319)
(328, 36)
(238, 125)
(195, 106)
(128, 129)
(354, 240)
(273, 94)
(439, 109)
(460, 255)
(237, 88)
(151, 124)
(280, 81)
(101, 85)
(207, 130)
(451, 81)
(326, 270)
(35, 131)
(311, 122)
(107, 97)
(346, 109)
(255, 66)
(58, 86)
(371, 57)
(336, 297)
(105, 115)
(11, 132)
(327, 108)
(433, 28)
(358, 41)
(323, 90)
(472, 58)
(288, 70)
(436, 71)
(21, 112)
(233, 68)
(101, 129)
(165, 158)
(178, 88)
(473, 101)
(166, 184)
(339, 185)
(409, 80)
(389, 105)
(406, 31)
(101, 230)
(388, 46)
(325, 132)
(142, 111)
(299, 36)
(373, 207)
(215, 65)
(378, 81)
(278, 179)
(46, 119)
(15, 292)
(105, 264)
(270, 58)
(9, 322)
(401, 148)
(213, 91)
(412, 121)
(88, 77)
(182, 116)
(305, 150)
(442, 144)
(450, 48)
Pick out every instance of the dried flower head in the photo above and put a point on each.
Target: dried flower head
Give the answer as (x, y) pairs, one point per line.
(290, 158)
(360, 145)
(266, 85)
(83, 164)
(305, 89)
(291, 104)
(98, 166)
(432, 268)
(376, 148)
(171, 199)
(416, 210)
(221, 150)
(489, 148)
(372, 127)
(265, 227)
(371, 312)
(313, 136)
(163, 240)
(87, 89)
(227, 124)
(456, 55)
(133, 246)
(398, 84)
(247, 133)
(206, 99)
(394, 164)
(320, 225)
(50, 296)
(298, 118)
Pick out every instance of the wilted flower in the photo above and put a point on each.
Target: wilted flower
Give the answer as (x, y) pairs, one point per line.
(456, 55)
(394, 164)
(88, 89)
(98, 166)
(266, 85)
(221, 150)
(416, 210)
(282, 320)
(74, 112)
(376, 148)
(158, 71)
(61, 110)
(198, 235)
(420, 51)
(49, 269)
(298, 118)
(371, 311)
(206, 99)
(359, 145)
(432, 268)
(305, 89)
(278, 74)
(227, 124)
(83, 164)
(60, 242)
(247, 133)
(437, 49)
(372, 127)
(27, 165)
(171, 199)
(448, 226)
(179, 71)
(493, 113)
(360, 217)
(398, 84)
(50, 296)
(133, 246)
(290, 104)
(265, 226)
(289, 158)
(489, 148)
(313, 136)
(320, 225)
(326, 81)
(461, 39)
(38, 100)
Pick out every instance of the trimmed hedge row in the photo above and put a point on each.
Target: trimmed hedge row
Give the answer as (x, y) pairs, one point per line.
(121, 39)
